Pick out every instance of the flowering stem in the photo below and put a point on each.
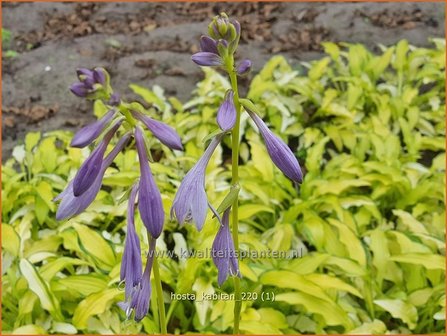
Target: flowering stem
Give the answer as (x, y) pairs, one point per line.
(159, 290)
(235, 180)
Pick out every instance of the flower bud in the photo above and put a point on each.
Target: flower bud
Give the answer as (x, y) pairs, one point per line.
(226, 115)
(208, 44)
(79, 89)
(222, 25)
(244, 67)
(149, 203)
(87, 134)
(99, 76)
(72, 205)
(223, 251)
(206, 59)
(131, 268)
(279, 152)
(91, 167)
(166, 134)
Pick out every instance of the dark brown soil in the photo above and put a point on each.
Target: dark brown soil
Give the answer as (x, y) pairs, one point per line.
(151, 43)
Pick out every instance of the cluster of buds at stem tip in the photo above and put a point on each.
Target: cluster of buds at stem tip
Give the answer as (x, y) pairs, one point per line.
(93, 84)
(82, 190)
(221, 44)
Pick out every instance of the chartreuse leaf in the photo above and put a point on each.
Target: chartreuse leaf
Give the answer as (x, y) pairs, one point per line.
(346, 265)
(48, 154)
(273, 317)
(64, 328)
(31, 140)
(429, 261)
(48, 244)
(318, 68)
(51, 268)
(307, 264)
(247, 272)
(45, 192)
(352, 243)
(358, 56)
(372, 328)
(258, 328)
(287, 279)
(85, 284)
(29, 329)
(148, 95)
(281, 238)
(331, 313)
(99, 108)
(260, 159)
(10, 239)
(332, 49)
(248, 210)
(96, 247)
(401, 310)
(41, 209)
(378, 64)
(40, 287)
(26, 303)
(401, 51)
(315, 155)
(93, 305)
(202, 287)
(326, 281)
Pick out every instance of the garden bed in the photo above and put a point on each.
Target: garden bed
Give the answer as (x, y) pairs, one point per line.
(151, 44)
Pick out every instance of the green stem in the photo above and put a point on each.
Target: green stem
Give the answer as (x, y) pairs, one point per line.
(171, 310)
(159, 291)
(235, 180)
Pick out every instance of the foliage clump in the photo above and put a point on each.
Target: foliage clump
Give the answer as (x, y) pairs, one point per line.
(368, 221)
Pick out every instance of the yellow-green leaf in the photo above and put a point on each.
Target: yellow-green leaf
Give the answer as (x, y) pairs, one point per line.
(95, 304)
(40, 287)
(96, 246)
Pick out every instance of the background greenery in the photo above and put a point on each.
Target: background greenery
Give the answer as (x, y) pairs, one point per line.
(368, 220)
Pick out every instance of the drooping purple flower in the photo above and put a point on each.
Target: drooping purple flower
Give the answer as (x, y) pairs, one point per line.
(141, 295)
(70, 204)
(166, 134)
(190, 202)
(279, 152)
(205, 58)
(87, 134)
(226, 115)
(243, 67)
(131, 262)
(149, 199)
(223, 251)
(91, 167)
(207, 44)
